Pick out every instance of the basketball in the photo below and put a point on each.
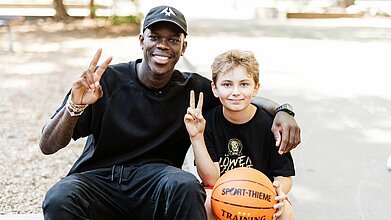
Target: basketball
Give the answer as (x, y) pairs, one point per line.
(243, 194)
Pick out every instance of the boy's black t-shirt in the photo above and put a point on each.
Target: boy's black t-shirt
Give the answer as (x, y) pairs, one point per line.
(245, 145)
(132, 124)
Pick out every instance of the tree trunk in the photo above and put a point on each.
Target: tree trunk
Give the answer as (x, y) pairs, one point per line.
(92, 9)
(61, 12)
(348, 3)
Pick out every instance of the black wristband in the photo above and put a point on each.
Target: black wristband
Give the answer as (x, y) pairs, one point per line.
(285, 108)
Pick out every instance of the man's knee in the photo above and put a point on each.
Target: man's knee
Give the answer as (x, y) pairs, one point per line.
(62, 196)
(185, 196)
(185, 185)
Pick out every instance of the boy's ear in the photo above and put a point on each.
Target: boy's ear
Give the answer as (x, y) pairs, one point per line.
(214, 90)
(256, 89)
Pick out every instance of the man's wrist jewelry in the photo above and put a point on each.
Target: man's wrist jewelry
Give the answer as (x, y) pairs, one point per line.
(74, 109)
(285, 108)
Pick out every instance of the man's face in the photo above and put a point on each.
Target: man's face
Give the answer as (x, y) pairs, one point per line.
(163, 44)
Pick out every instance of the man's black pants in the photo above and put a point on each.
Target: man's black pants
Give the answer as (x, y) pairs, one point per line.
(149, 191)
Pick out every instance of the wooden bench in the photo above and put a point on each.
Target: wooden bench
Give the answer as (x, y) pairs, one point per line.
(6, 21)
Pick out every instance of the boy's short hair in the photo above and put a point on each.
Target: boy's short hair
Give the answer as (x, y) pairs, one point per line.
(230, 59)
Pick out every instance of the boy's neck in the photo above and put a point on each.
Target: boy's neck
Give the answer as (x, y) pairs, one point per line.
(240, 117)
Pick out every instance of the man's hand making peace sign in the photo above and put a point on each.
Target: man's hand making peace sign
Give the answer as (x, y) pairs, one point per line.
(87, 90)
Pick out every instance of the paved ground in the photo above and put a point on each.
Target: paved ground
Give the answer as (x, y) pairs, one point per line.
(22, 217)
(336, 75)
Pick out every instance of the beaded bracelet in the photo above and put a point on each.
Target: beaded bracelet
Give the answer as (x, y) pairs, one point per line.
(73, 109)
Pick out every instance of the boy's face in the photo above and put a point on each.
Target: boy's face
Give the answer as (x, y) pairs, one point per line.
(235, 89)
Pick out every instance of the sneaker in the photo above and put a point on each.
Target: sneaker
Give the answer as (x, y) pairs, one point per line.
(389, 163)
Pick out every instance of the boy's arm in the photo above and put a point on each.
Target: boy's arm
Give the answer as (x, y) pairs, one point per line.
(208, 170)
(283, 207)
(195, 125)
(285, 182)
(285, 129)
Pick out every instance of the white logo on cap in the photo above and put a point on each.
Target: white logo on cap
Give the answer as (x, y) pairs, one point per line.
(168, 12)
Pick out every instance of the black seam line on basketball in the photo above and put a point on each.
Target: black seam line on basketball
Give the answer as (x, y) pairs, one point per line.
(247, 181)
(242, 206)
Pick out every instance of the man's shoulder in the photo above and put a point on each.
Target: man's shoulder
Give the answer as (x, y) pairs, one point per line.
(191, 75)
(119, 71)
(117, 75)
(262, 119)
(121, 67)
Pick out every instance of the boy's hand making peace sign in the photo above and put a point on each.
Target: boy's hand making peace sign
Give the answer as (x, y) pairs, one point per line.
(194, 121)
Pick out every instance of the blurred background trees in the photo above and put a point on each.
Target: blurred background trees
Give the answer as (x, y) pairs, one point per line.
(61, 12)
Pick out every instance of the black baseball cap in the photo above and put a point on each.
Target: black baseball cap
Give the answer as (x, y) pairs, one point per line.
(166, 14)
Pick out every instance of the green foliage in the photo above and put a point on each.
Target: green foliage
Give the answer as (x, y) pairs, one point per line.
(131, 19)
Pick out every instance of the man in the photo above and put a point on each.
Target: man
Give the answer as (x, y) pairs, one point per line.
(132, 114)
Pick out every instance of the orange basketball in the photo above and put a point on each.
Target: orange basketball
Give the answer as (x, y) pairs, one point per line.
(243, 193)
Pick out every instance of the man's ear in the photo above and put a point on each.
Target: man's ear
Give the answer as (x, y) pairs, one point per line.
(184, 46)
(214, 90)
(141, 39)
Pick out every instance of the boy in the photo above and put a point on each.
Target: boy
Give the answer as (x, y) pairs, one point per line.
(238, 133)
